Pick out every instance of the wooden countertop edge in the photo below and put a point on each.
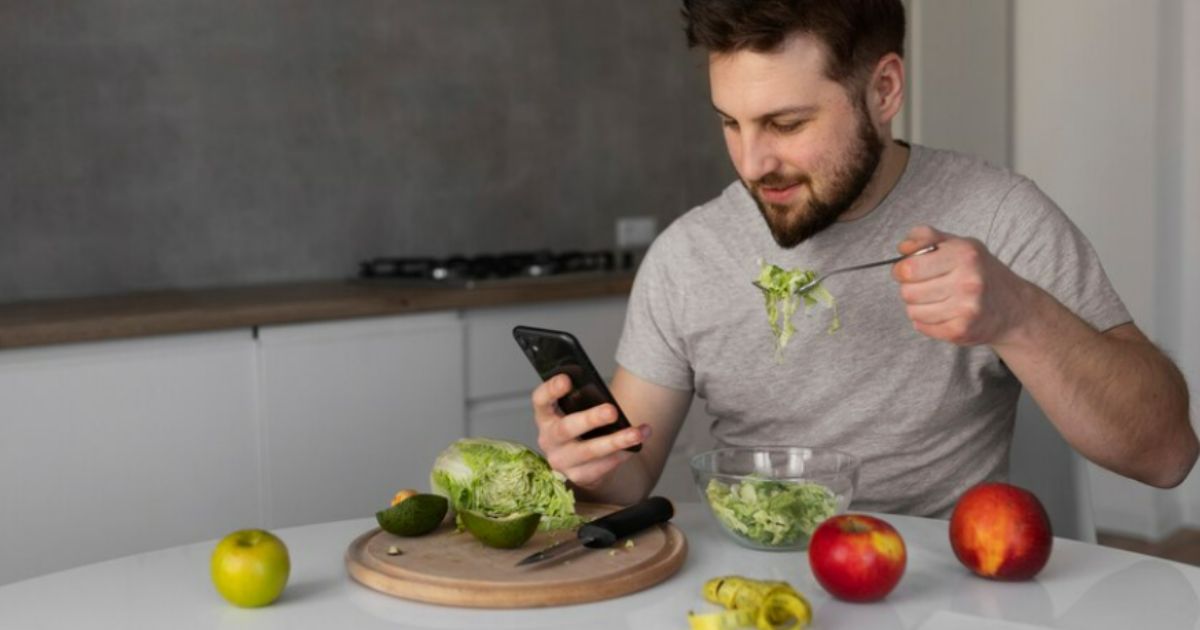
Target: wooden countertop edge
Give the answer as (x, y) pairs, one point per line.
(71, 320)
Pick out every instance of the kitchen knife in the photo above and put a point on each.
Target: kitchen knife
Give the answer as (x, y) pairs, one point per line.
(605, 531)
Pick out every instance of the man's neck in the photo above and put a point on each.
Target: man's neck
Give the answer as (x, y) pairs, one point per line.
(891, 167)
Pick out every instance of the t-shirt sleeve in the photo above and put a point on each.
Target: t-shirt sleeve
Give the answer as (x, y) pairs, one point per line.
(652, 345)
(1033, 236)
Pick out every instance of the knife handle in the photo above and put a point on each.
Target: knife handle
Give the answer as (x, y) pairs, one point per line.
(605, 531)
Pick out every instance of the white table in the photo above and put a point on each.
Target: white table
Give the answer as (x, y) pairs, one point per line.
(1083, 586)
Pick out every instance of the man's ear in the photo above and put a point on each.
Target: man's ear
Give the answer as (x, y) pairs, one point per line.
(885, 91)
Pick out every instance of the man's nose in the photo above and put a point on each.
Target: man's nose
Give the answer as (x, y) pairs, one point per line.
(758, 157)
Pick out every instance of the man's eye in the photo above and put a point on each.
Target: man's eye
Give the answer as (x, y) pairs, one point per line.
(729, 123)
(788, 127)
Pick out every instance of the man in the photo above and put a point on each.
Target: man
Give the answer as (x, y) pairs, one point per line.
(922, 387)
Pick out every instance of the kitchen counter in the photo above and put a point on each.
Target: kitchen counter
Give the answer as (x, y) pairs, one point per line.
(46, 322)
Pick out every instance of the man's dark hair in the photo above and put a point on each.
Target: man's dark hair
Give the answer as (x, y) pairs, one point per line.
(856, 33)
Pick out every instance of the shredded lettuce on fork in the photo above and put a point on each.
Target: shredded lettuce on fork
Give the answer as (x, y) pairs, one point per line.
(500, 478)
(779, 290)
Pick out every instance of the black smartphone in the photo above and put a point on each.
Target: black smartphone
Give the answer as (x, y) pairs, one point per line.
(554, 352)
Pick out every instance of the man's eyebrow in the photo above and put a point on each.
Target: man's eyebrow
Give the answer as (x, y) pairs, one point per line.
(802, 110)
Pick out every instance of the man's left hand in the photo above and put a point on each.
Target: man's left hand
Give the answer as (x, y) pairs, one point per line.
(959, 293)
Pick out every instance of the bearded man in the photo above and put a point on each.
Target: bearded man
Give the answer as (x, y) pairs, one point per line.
(922, 380)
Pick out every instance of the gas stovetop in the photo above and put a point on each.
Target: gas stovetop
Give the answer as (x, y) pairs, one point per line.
(487, 269)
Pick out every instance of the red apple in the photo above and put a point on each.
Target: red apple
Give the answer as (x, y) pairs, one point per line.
(1001, 532)
(856, 557)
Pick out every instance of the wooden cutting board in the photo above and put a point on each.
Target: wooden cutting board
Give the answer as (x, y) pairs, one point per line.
(452, 568)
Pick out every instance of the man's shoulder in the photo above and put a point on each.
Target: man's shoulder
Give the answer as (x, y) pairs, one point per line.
(720, 211)
(718, 218)
(956, 170)
(718, 234)
(964, 192)
(970, 196)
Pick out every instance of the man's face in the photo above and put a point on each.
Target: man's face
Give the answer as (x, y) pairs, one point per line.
(803, 146)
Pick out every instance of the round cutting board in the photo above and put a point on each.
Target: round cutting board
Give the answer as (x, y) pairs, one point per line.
(453, 568)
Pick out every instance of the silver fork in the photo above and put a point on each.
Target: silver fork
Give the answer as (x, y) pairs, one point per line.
(804, 288)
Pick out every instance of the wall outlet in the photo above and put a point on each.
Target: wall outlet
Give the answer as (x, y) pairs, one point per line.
(636, 231)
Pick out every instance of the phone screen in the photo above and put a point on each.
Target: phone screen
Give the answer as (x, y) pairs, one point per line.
(554, 352)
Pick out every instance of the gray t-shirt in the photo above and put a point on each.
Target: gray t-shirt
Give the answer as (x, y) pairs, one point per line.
(928, 418)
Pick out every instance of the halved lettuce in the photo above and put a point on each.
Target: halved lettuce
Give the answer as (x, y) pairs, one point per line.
(499, 478)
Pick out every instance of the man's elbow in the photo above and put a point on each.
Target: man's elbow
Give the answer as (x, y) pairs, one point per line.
(1171, 463)
(1175, 465)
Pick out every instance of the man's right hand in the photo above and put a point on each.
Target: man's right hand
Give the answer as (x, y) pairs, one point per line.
(586, 463)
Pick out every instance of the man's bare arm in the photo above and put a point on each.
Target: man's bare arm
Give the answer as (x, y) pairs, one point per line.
(1113, 395)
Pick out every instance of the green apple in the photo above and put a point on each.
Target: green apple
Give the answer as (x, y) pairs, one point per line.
(250, 567)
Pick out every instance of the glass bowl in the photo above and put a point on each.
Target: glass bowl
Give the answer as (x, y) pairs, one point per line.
(773, 497)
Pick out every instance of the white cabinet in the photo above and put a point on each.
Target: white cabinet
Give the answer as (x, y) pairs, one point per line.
(355, 410)
(112, 448)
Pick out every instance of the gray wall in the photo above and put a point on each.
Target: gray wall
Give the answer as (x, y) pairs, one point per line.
(181, 143)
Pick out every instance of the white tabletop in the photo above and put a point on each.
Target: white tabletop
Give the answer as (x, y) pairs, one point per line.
(1083, 586)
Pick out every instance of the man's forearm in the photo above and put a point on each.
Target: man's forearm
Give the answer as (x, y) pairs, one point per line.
(1115, 397)
(628, 484)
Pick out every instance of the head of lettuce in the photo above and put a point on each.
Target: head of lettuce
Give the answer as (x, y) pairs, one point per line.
(500, 478)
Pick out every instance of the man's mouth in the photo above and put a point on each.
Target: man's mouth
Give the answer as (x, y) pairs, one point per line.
(778, 194)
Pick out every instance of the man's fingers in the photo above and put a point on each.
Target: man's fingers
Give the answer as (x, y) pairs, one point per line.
(583, 461)
(546, 395)
(576, 424)
(955, 330)
(908, 246)
(924, 267)
(592, 472)
(929, 314)
(577, 452)
(926, 292)
(952, 253)
(918, 237)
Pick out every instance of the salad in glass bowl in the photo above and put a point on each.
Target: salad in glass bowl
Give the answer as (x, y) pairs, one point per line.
(773, 497)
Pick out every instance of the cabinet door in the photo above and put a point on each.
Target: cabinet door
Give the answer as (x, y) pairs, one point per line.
(355, 410)
(114, 448)
(504, 419)
(495, 365)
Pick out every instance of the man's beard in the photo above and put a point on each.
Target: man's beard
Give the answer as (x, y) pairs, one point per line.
(794, 224)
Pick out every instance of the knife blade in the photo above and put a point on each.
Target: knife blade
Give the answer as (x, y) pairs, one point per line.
(605, 531)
